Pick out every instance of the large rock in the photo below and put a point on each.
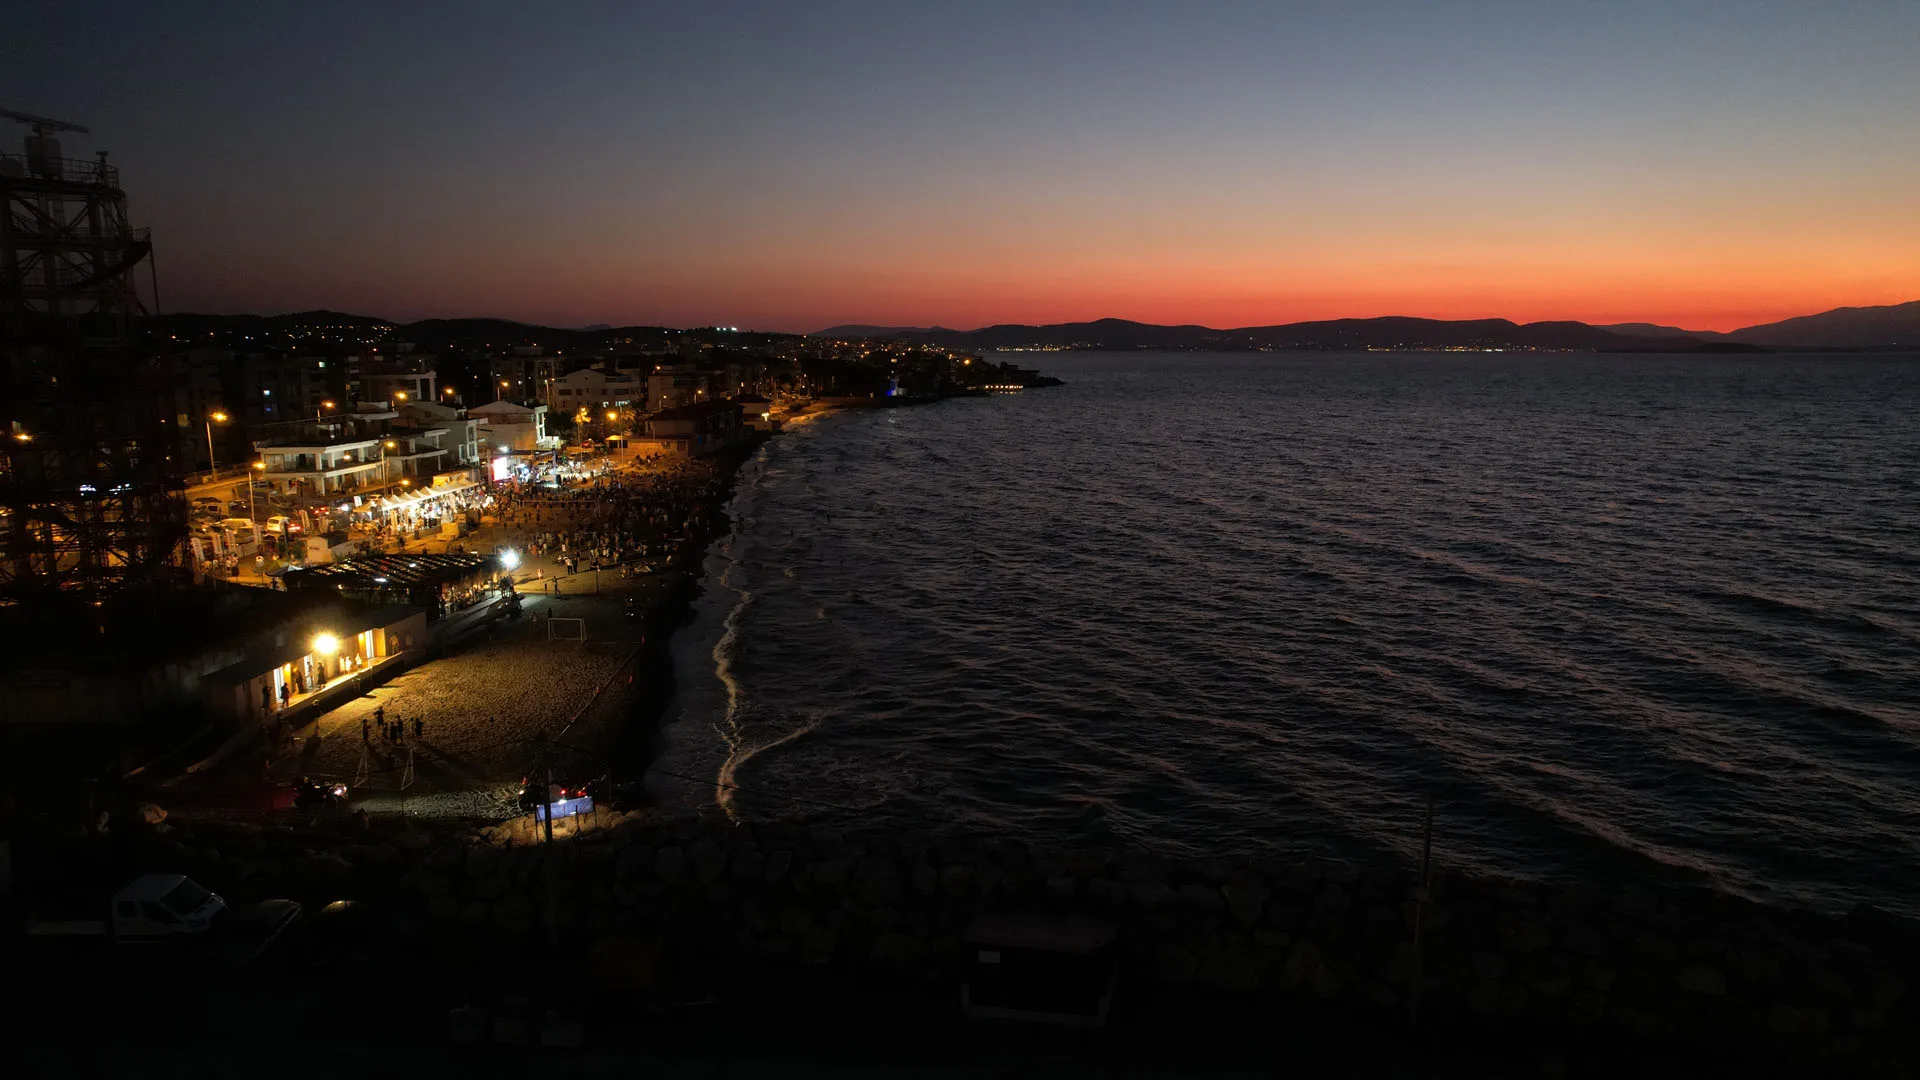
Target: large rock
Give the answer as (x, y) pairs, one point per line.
(778, 865)
(1489, 964)
(634, 862)
(513, 914)
(1153, 895)
(1106, 894)
(1246, 897)
(877, 881)
(1793, 1020)
(1522, 934)
(817, 945)
(747, 865)
(1498, 998)
(1307, 973)
(1204, 899)
(670, 865)
(1700, 979)
(956, 879)
(1229, 969)
(707, 860)
(1173, 963)
(832, 873)
(1653, 948)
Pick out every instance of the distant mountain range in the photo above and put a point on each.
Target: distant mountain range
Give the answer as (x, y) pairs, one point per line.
(1892, 327)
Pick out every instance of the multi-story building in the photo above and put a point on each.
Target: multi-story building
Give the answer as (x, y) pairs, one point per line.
(526, 378)
(317, 468)
(241, 398)
(393, 377)
(673, 385)
(694, 430)
(461, 440)
(506, 426)
(597, 388)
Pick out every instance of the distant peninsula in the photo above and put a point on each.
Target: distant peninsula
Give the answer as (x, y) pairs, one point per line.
(1892, 327)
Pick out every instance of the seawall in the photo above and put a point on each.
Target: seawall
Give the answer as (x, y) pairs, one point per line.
(1689, 969)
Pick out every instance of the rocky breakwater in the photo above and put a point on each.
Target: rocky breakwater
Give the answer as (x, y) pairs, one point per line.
(1698, 968)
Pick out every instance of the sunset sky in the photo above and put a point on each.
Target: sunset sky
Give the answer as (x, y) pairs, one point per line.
(795, 165)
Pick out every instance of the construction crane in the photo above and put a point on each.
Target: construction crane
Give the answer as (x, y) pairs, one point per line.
(43, 125)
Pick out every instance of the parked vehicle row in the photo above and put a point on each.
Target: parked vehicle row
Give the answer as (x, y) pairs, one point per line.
(196, 926)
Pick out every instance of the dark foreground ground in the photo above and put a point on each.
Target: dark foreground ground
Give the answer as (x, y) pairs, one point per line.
(649, 965)
(386, 1015)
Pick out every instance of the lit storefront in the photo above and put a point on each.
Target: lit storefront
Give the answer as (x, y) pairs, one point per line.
(342, 645)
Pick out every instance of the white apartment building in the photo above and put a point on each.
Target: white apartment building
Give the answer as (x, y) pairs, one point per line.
(506, 426)
(317, 468)
(596, 388)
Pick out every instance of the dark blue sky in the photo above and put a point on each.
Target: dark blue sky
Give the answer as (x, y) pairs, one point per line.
(792, 165)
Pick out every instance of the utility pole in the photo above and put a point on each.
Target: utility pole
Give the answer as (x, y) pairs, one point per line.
(1419, 915)
(546, 815)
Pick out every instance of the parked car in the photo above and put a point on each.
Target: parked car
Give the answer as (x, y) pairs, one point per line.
(312, 795)
(250, 935)
(529, 797)
(335, 935)
(282, 525)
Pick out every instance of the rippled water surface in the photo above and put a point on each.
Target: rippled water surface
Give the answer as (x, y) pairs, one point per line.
(1622, 616)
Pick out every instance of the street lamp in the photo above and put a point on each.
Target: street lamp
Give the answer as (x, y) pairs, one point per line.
(213, 416)
(317, 409)
(251, 512)
(384, 447)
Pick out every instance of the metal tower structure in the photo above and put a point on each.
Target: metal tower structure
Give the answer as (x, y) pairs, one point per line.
(87, 502)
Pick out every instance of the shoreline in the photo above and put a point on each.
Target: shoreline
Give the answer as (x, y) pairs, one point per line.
(644, 739)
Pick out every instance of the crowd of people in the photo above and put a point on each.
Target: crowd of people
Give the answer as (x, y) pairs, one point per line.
(610, 520)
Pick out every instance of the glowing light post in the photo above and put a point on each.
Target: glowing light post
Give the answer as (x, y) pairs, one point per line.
(252, 512)
(216, 416)
(317, 410)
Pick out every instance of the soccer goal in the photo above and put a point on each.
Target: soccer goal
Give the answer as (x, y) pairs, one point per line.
(566, 629)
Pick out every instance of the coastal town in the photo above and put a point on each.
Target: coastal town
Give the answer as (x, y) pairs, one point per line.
(552, 540)
(408, 564)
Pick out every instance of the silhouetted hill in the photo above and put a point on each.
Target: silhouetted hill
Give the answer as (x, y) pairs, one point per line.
(1391, 332)
(878, 333)
(1888, 326)
(187, 322)
(1647, 329)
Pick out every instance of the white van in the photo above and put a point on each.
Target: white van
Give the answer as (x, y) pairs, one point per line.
(152, 907)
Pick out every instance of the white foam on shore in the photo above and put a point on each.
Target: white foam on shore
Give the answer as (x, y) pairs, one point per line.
(704, 692)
